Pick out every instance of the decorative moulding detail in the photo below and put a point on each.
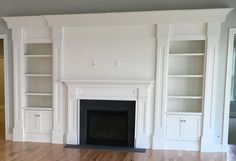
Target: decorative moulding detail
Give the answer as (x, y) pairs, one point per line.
(119, 18)
(130, 83)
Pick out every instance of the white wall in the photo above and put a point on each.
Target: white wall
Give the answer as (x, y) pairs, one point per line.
(132, 46)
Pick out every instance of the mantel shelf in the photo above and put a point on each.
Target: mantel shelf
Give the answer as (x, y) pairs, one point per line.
(110, 82)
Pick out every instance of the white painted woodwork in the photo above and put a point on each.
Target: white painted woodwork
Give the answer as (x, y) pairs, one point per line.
(213, 33)
(116, 56)
(191, 128)
(138, 91)
(183, 127)
(37, 121)
(173, 127)
(31, 122)
(163, 31)
(58, 121)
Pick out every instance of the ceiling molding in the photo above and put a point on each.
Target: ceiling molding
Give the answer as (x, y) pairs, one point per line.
(119, 18)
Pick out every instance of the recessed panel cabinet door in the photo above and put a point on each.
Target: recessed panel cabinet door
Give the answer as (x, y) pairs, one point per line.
(45, 122)
(192, 128)
(173, 125)
(30, 122)
(38, 121)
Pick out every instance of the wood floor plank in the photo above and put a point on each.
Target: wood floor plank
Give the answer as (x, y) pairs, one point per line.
(18, 151)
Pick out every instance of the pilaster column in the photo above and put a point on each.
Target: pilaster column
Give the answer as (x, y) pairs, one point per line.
(17, 37)
(213, 34)
(161, 85)
(58, 117)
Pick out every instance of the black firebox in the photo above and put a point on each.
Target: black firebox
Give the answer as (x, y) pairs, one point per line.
(106, 122)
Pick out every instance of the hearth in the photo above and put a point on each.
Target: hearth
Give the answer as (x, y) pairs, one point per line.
(107, 122)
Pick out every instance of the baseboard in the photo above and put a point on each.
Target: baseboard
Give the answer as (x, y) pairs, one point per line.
(143, 141)
(182, 145)
(18, 134)
(9, 136)
(219, 148)
(43, 138)
(57, 137)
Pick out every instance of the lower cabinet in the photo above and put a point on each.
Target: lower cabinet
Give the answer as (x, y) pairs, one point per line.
(183, 127)
(37, 121)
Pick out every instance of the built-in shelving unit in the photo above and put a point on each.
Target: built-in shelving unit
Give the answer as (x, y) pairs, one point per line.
(185, 76)
(38, 76)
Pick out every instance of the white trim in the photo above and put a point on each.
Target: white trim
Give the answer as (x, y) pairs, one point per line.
(138, 91)
(232, 33)
(6, 81)
(119, 18)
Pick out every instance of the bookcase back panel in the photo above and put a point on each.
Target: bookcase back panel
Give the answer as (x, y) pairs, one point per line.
(185, 87)
(39, 84)
(38, 65)
(39, 101)
(38, 49)
(186, 65)
(194, 46)
(184, 105)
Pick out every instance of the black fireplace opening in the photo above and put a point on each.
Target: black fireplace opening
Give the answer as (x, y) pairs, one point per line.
(107, 122)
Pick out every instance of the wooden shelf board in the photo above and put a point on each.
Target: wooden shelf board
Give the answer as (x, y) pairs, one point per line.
(184, 76)
(185, 97)
(38, 108)
(184, 113)
(39, 56)
(38, 94)
(186, 54)
(38, 75)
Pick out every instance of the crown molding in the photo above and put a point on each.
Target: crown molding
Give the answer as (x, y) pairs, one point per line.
(119, 18)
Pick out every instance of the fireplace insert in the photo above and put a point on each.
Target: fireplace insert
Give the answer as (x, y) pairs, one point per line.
(106, 122)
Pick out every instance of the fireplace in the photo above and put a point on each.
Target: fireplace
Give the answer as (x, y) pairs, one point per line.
(129, 102)
(107, 122)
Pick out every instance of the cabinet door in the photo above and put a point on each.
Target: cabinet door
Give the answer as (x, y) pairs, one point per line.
(45, 122)
(30, 122)
(173, 130)
(191, 128)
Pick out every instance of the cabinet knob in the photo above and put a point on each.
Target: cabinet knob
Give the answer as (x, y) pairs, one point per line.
(182, 120)
(37, 115)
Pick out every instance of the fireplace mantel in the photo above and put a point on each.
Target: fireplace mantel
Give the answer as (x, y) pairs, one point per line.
(139, 91)
(136, 83)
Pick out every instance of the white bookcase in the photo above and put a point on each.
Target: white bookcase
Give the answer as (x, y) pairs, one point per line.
(185, 92)
(38, 88)
(185, 76)
(38, 75)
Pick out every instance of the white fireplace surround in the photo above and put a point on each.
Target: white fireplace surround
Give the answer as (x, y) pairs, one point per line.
(139, 91)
